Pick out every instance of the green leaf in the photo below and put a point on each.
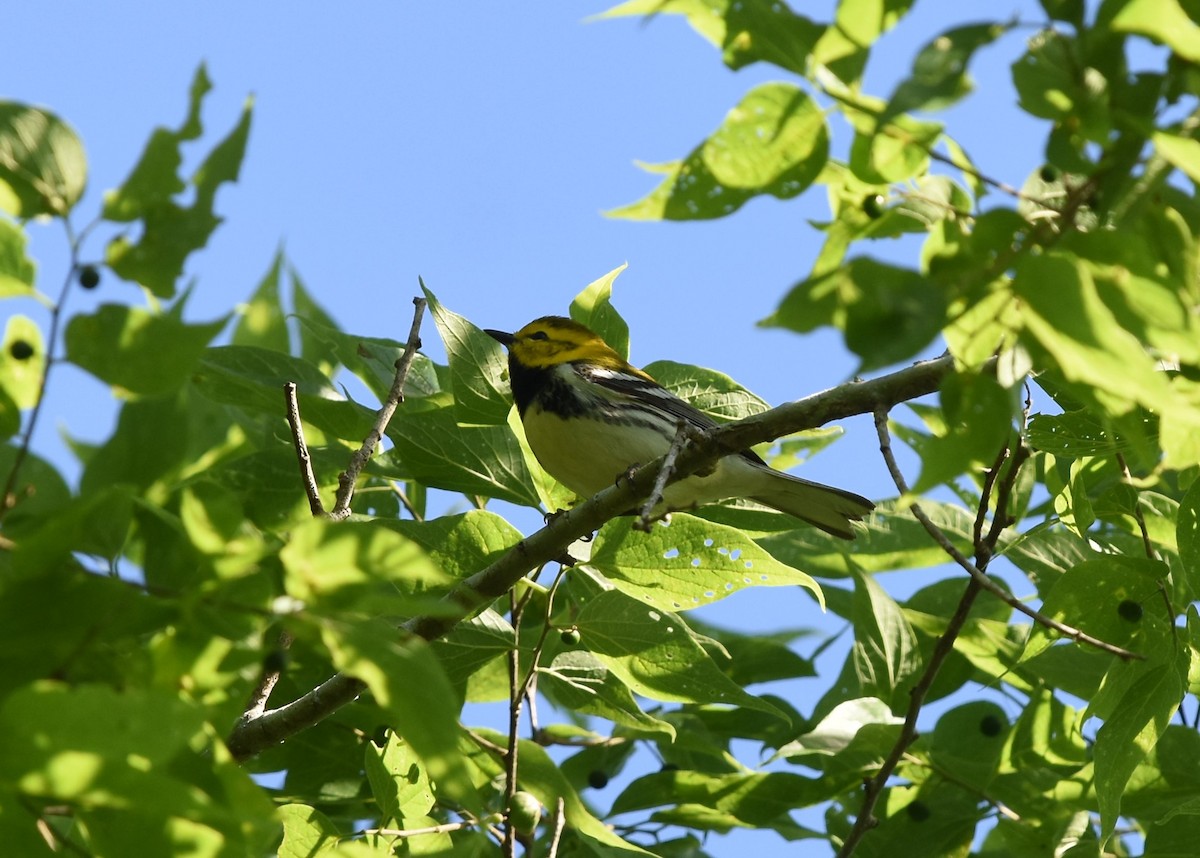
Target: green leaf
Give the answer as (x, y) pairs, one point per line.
(1054, 82)
(106, 752)
(978, 414)
(688, 563)
(171, 231)
(885, 656)
(765, 31)
(838, 729)
(539, 774)
(1164, 21)
(1089, 596)
(580, 682)
(1187, 531)
(888, 314)
(593, 308)
(43, 168)
(939, 75)
(472, 644)
(372, 359)
(142, 352)
(755, 799)
(774, 142)
(431, 446)
(1182, 152)
(393, 668)
(39, 491)
(262, 321)
(398, 782)
(714, 393)
(17, 270)
(969, 741)
(253, 378)
(893, 151)
(652, 651)
(478, 368)
(21, 377)
(1131, 733)
(359, 567)
(1066, 315)
(460, 544)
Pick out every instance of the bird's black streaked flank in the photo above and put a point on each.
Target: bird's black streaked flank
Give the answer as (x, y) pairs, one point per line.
(589, 415)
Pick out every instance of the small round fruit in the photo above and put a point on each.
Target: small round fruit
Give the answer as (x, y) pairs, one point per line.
(20, 350)
(1049, 173)
(597, 779)
(872, 205)
(1130, 611)
(990, 725)
(570, 636)
(918, 811)
(524, 813)
(89, 276)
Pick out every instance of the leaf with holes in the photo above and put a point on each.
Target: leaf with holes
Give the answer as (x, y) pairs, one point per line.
(689, 563)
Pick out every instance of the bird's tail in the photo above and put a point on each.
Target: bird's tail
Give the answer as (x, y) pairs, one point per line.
(822, 506)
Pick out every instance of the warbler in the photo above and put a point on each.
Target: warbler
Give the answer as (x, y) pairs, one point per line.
(589, 416)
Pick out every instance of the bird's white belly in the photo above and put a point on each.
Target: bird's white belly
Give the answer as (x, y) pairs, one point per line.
(589, 455)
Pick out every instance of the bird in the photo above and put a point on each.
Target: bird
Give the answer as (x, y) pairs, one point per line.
(590, 416)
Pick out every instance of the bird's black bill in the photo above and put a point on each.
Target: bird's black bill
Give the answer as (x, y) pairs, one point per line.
(499, 336)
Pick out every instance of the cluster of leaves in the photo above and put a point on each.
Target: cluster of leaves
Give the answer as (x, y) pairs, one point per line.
(142, 608)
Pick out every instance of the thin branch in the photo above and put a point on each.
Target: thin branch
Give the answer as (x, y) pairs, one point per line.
(444, 828)
(516, 696)
(7, 497)
(272, 670)
(985, 582)
(347, 479)
(1147, 542)
(984, 547)
(307, 477)
(560, 822)
(251, 736)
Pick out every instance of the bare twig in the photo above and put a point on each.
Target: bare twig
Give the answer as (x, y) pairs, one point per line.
(560, 822)
(984, 581)
(8, 498)
(307, 477)
(444, 828)
(984, 547)
(251, 736)
(272, 670)
(665, 471)
(347, 479)
(516, 697)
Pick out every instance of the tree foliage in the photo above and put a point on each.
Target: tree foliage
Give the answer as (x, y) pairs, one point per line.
(189, 571)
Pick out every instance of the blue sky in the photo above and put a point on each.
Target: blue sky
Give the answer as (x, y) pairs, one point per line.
(476, 145)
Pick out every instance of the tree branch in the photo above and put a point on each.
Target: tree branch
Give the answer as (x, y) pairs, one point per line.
(348, 477)
(252, 735)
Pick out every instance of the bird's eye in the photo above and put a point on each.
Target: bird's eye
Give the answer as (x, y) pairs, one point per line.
(539, 335)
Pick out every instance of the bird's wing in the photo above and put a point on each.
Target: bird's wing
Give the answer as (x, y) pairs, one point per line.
(654, 395)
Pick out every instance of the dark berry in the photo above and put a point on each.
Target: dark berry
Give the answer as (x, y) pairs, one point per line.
(917, 811)
(990, 725)
(872, 205)
(1130, 611)
(597, 779)
(89, 276)
(20, 350)
(1048, 173)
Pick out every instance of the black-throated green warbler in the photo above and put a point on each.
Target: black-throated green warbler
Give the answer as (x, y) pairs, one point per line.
(589, 415)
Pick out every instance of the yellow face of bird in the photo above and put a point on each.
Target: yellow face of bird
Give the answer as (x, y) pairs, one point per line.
(553, 340)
